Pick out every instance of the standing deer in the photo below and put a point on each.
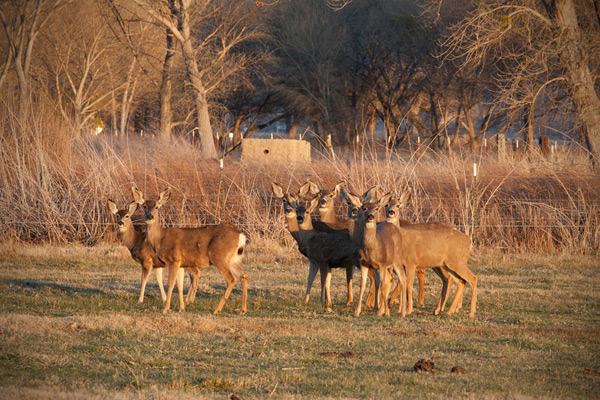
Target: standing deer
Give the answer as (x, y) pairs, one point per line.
(327, 207)
(380, 247)
(138, 246)
(328, 250)
(437, 246)
(307, 241)
(219, 245)
(141, 251)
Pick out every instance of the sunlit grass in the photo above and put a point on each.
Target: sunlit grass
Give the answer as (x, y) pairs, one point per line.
(71, 323)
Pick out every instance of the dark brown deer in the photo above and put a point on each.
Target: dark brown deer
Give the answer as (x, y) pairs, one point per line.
(306, 234)
(327, 249)
(219, 245)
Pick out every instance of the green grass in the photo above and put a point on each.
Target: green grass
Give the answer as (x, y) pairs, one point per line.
(70, 326)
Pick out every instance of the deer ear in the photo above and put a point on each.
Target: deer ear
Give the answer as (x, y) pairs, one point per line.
(138, 195)
(163, 197)
(371, 195)
(277, 190)
(314, 203)
(385, 199)
(338, 187)
(307, 189)
(112, 206)
(404, 197)
(132, 207)
(350, 199)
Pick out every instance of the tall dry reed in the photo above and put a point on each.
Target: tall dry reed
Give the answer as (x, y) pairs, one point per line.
(55, 183)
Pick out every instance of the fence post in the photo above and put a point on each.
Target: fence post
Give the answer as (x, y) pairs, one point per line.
(545, 146)
(501, 147)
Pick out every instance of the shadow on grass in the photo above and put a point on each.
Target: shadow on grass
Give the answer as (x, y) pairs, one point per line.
(37, 284)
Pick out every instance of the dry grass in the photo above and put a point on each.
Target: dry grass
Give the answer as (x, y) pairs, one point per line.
(56, 185)
(71, 329)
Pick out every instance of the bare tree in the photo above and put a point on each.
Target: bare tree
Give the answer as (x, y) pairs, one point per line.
(533, 45)
(22, 21)
(198, 25)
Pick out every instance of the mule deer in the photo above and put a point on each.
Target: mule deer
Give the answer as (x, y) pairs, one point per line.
(328, 249)
(311, 241)
(327, 207)
(379, 244)
(219, 245)
(138, 246)
(437, 246)
(141, 251)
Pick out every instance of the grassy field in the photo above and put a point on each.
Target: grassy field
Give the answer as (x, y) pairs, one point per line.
(70, 327)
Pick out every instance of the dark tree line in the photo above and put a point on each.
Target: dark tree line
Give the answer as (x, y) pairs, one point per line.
(445, 70)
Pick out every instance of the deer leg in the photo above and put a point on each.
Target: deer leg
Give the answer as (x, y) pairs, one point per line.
(180, 278)
(410, 277)
(159, 280)
(312, 273)
(173, 271)
(244, 293)
(402, 285)
(370, 302)
(465, 276)
(450, 283)
(145, 273)
(364, 272)
(421, 278)
(328, 288)
(231, 280)
(349, 276)
(396, 291)
(323, 273)
(458, 297)
(194, 275)
(444, 294)
(385, 291)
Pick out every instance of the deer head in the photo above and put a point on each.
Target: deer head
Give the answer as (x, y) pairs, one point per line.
(392, 209)
(123, 216)
(151, 207)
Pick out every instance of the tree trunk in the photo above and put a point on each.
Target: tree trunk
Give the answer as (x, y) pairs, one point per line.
(204, 127)
(579, 77)
(166, 116)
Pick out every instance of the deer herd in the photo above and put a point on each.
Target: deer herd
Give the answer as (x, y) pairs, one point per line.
(381, 248)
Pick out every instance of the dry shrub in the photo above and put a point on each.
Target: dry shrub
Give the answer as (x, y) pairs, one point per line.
(56, 183)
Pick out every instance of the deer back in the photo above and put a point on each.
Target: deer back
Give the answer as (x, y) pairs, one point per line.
(200, 247)
(432, 245)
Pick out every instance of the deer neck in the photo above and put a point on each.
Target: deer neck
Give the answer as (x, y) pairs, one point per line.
(328, 216)
(154, 232)
(356, 228)
(370, 242)
(292, 223)
(129, 236)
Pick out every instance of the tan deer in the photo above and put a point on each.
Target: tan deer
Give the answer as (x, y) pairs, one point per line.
(308, 243)
(379, 246)
(437, 246)
(327, 207)
(219, 245)
(138, 246)
(141, 251)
